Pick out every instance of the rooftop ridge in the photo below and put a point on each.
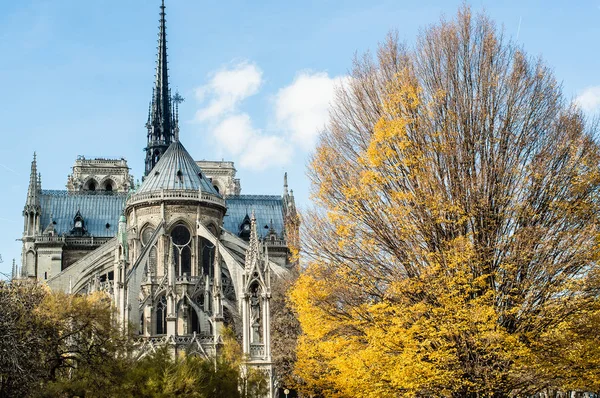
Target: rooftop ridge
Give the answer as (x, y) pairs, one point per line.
(254, 196)
(64, 192)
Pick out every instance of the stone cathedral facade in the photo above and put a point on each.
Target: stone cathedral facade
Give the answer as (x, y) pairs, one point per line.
(182, 255)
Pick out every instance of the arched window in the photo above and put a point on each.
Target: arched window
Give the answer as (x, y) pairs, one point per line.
(152, 257)
(195, 322)
(195, 319)
(108, 186)
(207, 256)
(182, 252)
(161, 316)
(91, 185)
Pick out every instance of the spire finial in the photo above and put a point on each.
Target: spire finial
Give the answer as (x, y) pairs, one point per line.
(285, 184)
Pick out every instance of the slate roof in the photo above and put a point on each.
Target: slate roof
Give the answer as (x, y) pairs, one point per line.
(266, 208)
(97, 210)
(176, 170)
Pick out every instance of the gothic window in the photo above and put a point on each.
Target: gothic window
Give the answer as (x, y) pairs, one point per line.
(182, 252)
(161, 316)
(108, 186)
(152, 257)
(194, 321)
(207, 256)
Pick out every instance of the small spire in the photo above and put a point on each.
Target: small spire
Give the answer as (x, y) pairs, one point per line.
(252, 251)
(14, 269)
(285, 184)
(34, 184)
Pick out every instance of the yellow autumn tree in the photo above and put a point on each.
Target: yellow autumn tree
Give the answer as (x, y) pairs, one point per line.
(454, 246)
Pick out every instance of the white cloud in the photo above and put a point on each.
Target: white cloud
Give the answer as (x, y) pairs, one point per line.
(256, 150)
(265, 151)
(233, 133)
(227, 88)
(589, 99)
(302, 108)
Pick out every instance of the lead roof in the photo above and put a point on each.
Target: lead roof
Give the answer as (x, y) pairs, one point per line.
(176, 170)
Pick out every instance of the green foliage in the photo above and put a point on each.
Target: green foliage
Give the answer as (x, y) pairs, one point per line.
(23, 344)
(56, 345)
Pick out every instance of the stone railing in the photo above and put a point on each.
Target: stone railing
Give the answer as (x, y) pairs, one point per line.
(73, 240)
(207, 342)
(274, 243)
(188, 279)
(50, 239)
(175, 194)
(257, 350)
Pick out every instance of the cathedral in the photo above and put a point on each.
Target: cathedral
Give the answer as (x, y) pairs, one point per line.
(183, 254)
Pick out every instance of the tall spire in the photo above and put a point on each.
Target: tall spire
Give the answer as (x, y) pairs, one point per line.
(34, 186)
(160, 119)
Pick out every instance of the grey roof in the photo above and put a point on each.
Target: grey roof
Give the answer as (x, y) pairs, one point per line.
(266, 208)
(176, 170)
(96, 208)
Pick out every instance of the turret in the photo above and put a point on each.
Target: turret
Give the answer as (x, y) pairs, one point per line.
(32, 210)
(291, 220)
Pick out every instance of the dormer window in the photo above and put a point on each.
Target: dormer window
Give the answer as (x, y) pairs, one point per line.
(180, 176)
(78, 225)
(244, 229)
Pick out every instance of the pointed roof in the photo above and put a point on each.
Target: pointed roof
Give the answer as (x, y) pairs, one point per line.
(33, 199)
(176, 170)
(160, 115)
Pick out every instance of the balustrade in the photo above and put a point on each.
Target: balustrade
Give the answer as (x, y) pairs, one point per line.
(176, 194)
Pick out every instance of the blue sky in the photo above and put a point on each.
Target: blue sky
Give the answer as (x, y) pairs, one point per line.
(257, 77)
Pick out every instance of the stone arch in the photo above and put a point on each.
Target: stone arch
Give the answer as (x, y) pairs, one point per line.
(146, 226)
(213, 228)
(184, 221)
(161, 309)
(90, 183)
(203, 322)
(182, 247)
(108, 184)
(145, 233)
(217, 186)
